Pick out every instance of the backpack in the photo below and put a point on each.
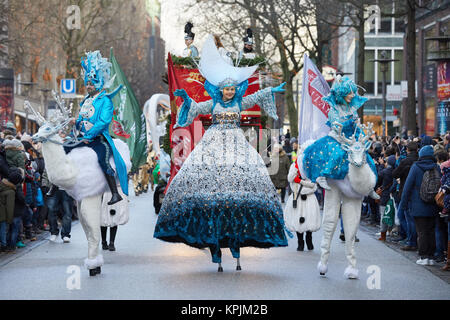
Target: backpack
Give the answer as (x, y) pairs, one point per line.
(430, 185)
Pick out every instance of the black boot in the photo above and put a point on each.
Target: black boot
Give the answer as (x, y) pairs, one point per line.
(104, 243)
(301, 243)
(113, 186)
(309, 243)
(112, 238)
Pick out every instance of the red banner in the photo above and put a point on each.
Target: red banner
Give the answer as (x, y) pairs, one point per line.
(316, 96)
(184, 140)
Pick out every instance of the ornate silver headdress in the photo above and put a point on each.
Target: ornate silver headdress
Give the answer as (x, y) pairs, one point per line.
(228, 82)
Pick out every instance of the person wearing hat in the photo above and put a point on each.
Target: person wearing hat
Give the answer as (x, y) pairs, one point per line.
(424, 213)
(10, 129)
(190, 50)
(247, 51)
(406, 220)
(15, 157)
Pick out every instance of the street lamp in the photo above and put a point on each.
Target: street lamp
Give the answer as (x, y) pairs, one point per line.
(45, 92)
(384, 67)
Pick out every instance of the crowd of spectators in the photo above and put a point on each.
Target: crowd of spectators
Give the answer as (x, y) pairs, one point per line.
(29, 204)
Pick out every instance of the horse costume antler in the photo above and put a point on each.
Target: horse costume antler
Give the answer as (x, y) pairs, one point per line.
(39, 118)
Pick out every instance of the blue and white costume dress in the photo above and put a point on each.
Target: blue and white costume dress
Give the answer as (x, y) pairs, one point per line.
(223, 197)
(325, 157)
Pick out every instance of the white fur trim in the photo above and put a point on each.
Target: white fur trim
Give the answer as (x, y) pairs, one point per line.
(89, 179)
(345, 187)
(94, 263)
(322, 268)
(351, 273)
(362, 179)
(302, 148)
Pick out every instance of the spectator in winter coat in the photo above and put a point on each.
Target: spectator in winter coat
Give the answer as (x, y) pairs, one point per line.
(279, 169)
(441, 223)
(386, 184)
(406, 220)
(15, 157)
(7, 198)
(19, 210)
(4, 167)
(424, 213)
(445, 186)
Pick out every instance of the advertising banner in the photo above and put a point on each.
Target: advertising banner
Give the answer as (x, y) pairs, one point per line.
(443, 80)
(6, 95)
(443, 117)
(313, 113)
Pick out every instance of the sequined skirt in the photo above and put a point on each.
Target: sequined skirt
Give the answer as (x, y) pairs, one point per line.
(326, 158)
(222, 196)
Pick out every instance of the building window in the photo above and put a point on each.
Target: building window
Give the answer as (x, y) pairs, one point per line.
(386, 21)
(398, 66)
(373, 77)
(369, 71)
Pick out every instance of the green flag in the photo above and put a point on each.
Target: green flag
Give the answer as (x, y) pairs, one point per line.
(128, 122)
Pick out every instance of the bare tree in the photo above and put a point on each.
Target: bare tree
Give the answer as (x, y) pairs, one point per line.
(4, 9)
(289, 27)
(407, 9)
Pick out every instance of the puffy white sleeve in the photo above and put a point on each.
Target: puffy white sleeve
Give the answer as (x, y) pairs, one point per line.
(190, 110)
(292, 173)
(264, 98)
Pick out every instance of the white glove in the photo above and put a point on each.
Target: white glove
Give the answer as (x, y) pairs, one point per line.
(307, 184)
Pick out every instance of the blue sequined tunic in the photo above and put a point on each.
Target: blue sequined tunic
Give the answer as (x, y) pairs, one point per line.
(325, 157)
(223, 197)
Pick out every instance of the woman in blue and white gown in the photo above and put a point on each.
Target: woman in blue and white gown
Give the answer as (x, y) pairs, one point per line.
(223, 197)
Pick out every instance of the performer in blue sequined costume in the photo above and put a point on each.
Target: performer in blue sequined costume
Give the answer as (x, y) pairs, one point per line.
(325, 158)
(223, 197)
(96, 113)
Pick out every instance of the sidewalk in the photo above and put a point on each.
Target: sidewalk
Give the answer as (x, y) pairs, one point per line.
(42, 238)
(411, 255)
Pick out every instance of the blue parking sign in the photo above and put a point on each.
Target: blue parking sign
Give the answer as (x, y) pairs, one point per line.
(68, 87)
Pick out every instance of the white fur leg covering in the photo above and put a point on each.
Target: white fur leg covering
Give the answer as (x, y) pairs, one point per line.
(332, 204)
(94, 263)
(351, 214)
(322, 268)
(90, 216)
(351, 273)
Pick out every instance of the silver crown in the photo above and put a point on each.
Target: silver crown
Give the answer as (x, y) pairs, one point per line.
(228, 82)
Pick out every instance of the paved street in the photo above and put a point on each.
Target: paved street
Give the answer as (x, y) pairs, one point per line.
(147, 268)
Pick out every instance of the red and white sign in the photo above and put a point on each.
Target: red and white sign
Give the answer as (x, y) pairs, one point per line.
(313, 113)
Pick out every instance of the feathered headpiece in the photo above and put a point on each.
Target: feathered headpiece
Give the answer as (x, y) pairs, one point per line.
(220, 74)
(96, 70)
(341, 88)
(249, 38)
(187, 30)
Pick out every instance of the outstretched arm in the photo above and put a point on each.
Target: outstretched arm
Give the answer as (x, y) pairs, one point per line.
(265, 99)
(190, 109)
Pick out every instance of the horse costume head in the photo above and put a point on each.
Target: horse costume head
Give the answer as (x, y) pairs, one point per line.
(357, 145)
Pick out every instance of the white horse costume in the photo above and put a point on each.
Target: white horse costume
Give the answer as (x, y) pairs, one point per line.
(79, 174)
(346, 196)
